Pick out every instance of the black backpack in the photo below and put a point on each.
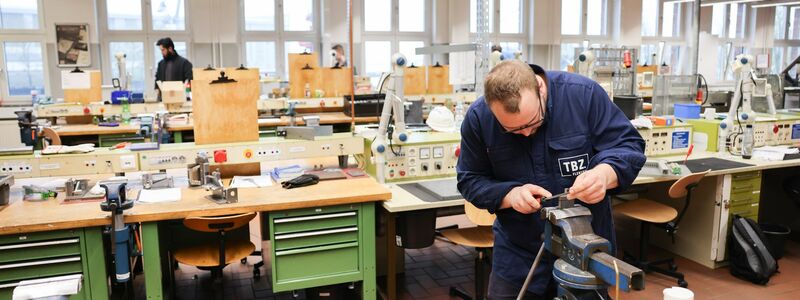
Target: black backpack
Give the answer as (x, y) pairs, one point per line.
(748, 252)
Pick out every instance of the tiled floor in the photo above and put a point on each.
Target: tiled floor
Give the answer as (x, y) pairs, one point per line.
(431, 271)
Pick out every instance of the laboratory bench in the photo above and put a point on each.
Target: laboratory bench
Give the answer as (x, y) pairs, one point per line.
(704, 228)
(309, 247)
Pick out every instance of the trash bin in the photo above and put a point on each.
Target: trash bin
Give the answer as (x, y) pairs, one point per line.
(776, 238)
(416, 229)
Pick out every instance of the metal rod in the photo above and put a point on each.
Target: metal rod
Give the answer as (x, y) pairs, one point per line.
(530, 273)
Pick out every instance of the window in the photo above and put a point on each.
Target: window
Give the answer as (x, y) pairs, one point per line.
(168, 15)
(568, 54)
(272, 29)
(298, 15)
(261, 55)
(595, 17)
(124, 14)
(718, 18)
(473, 16)
(794, 23)
(570, 9)
(379, 59)
(729, 20)
(134, 62)
(19, 14)
(383, 36)
(408, 49)
(777, 62)
(781, 21)
(378, 15)
(648, 55)
(671, 20)
(133, 26)
(736, 21)
(24, 68)
(649, 17)
(511, 16)
(259, 15)
(413, 12)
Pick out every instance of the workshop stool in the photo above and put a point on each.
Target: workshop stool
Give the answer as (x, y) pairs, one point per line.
(481, 238)
(215, 255)
(650, 212)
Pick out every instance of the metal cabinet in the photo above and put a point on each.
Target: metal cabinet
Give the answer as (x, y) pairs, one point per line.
(43, 255)
(323, 246)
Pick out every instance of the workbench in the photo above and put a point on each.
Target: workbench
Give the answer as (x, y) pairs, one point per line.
(297, 266)
(701, 239)
(178, 130)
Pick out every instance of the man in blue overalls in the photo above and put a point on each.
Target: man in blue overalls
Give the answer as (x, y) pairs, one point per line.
(535, 134)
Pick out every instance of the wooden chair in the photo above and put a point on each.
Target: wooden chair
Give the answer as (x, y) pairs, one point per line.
(215, 255)
(51, 136)
(650, 212)
(479, 237)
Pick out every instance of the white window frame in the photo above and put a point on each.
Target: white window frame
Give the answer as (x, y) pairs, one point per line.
(582, 38)
(394, 36)
(662, 42)
(785, 42)
(280, 36)
(724, 40)
(495, 37)
(146, 35)
(24, 35)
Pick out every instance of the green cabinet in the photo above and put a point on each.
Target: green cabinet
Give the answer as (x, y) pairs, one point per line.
(323, 246)
(55, 253)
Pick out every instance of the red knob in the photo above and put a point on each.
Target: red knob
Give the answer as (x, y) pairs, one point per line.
(775, 129)
(458, 151)
(402, 173)
(220, 156)
(86, 111)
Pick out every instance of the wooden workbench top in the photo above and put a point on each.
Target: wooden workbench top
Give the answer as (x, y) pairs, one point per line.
(92, 129)
(22, 216)
(328, 118)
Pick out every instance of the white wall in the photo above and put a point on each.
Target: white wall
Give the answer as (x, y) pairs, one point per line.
(69, 11)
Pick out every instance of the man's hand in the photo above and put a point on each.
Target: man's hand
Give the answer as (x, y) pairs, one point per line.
(591, 186)
(524, 198)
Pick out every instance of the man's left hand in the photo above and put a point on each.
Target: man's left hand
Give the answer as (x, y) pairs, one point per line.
(590, 187)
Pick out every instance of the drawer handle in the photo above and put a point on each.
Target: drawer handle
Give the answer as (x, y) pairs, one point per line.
(316, 249)
(39, 244)
(43, 280)
(40, 262)
(314, 233)
(743, 188)
(315, 217)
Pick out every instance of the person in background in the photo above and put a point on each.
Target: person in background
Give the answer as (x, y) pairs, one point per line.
(172, 67)
(339, 59)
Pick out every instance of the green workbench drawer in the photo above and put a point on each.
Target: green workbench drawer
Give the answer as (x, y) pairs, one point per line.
(39, 250)
(315, 222)
(316, 262)
(745, 197)
(315, 238)
(40, 268)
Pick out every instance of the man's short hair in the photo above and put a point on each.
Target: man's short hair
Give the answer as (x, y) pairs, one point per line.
(166, 42)
(504, 83)
(338, 47)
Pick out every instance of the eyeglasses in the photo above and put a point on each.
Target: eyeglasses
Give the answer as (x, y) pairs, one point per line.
(533, 122)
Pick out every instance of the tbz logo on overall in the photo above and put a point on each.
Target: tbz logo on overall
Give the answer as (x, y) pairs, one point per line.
(573, 165)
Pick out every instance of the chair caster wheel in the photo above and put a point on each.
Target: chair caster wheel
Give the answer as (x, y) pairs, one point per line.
(244, 260)
(682, 283)
(256, 274)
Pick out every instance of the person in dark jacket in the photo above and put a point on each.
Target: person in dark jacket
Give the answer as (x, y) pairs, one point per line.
(532, 135)
(172, 67)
